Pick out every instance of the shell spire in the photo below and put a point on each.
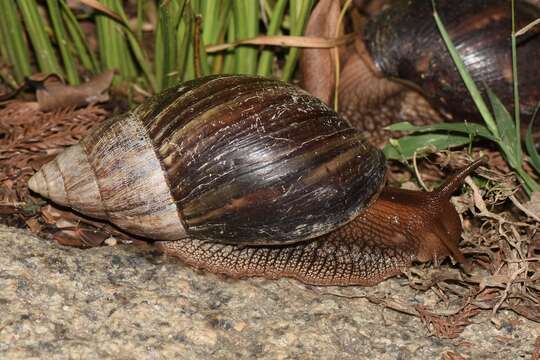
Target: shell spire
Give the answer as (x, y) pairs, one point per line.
(68, 180)
(113, 174)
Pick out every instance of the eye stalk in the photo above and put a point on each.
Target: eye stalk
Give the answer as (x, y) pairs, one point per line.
(425, 220)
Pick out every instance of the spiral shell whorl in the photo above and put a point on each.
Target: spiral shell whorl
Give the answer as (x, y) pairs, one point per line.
(114, 174)
(132, 185)
(77, 189)
(232, 159)
(256, 161)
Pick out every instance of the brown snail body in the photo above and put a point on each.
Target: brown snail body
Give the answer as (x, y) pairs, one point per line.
(253, 177)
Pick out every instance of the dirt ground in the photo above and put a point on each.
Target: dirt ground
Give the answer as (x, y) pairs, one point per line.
(128, 302)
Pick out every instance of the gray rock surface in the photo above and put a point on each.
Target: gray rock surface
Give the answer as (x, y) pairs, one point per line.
(124, 302)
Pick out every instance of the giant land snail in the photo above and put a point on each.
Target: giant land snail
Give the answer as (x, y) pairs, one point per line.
(248, 176)
(400, 70)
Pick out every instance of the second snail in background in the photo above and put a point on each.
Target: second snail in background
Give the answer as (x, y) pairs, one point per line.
(400, 60)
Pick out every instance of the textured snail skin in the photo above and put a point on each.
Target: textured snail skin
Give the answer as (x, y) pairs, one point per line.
(372, 103)
(253, 177)
(398, 227)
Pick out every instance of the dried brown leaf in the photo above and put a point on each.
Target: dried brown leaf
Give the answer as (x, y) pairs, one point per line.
(54, 94)
(536, 351)
(530, 311)
(80, 231)
(310, 42)
(448, 327)
(450, 355)
(28, 139)
(33, 225)
(80, 237)
(101, 7)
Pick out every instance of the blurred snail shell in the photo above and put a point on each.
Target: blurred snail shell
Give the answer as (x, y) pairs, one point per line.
(253, 177)
(405, 43)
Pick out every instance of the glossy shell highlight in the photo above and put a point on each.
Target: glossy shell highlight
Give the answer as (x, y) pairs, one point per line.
(232, 159)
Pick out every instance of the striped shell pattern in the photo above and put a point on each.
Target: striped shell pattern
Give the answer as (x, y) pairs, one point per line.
(232, 159)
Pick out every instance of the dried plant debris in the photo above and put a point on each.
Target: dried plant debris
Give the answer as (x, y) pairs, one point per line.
(536, 351)
(450, 355)
(74, 230)
(53, 94)
(501, 237)
(29, 138)
(447, 326)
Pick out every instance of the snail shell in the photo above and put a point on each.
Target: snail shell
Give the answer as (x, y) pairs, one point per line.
(405, 43)
(233, 159)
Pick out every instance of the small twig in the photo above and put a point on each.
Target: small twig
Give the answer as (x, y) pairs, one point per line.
(197, 46)
(481, 205)
(507, 288)
(524, 260)
(311, 42)
(524, 209)
(527, 27)
(417, 172)
(13, 204)
(395, 304)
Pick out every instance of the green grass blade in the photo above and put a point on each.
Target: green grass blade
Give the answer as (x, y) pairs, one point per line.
(517, 110)
(4, 56)
(189, 72)
(246, 18)
(467, 79)
(408, 146)
(113, 49)
(13, 35)
(534, 157)
(211, 26)
(165, 57)
(247, 55)
(45, 55)
(86, 56)
(215, 20)
(135, 46)
(529, 184)
(224, 15)
(183, 39)
(6, 75)
(140, 19)
(161, 50)
(299, 11)
(265, 60)
(230, 57)
(62, 41)
(471, 129)
(507, 131)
